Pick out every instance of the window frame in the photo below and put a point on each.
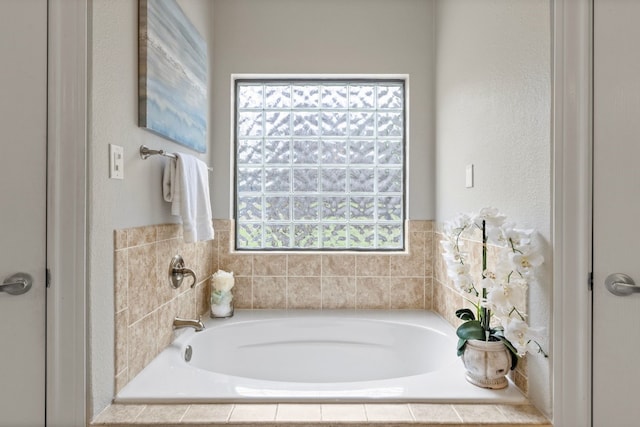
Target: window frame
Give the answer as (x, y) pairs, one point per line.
(403, 80)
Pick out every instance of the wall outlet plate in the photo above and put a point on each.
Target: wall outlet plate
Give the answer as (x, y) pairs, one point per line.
(116, 161)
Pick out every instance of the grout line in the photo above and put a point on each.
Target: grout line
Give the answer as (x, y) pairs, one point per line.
(184, 414)
(233, 407)
(286, 265)
(251, 301)
(277, 410)
(286, 293)
(501, 412)
(457, 413)
(413, 416)
(321, 296)
(140, 413)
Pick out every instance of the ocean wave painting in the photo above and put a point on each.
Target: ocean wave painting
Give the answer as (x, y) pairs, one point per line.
(172, 73)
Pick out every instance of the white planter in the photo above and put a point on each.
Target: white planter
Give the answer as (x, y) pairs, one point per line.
(487, 363)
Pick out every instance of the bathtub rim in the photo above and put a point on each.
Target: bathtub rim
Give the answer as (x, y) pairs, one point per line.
(450, 381)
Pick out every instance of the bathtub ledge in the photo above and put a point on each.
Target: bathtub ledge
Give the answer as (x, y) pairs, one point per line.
(309, 415)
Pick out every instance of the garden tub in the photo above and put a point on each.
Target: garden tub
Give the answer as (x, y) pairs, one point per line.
(313, 356)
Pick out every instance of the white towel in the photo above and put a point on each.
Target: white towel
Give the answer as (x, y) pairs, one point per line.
(185, 183)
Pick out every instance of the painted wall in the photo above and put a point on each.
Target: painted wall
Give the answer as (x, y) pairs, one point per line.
(328, 36)
(137, 200)
(493, 98)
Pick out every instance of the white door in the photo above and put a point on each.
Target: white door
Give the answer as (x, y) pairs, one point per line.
(23, 83)
(616, 329)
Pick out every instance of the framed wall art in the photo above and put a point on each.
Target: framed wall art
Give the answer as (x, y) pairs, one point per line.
(172, 75)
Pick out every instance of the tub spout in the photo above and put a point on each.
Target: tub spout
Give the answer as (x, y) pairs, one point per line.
(179, 323)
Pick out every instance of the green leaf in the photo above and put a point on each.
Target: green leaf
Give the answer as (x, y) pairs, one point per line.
(498, 333)
(461, 345)
(471, 330)
(514, 360)
(465, 314)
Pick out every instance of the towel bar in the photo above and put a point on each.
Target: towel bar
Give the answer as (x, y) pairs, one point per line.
(146, 152)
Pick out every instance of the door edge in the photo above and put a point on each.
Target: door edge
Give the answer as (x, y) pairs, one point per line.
(572, 195)
(66, 401)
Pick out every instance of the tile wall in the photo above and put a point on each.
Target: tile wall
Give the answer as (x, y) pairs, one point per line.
(145, 304)
(323, 281)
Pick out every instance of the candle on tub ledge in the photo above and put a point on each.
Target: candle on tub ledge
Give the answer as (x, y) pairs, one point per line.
(221, 296)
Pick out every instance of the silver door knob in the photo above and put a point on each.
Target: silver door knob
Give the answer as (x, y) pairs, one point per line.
(17, 284)
(621, 285)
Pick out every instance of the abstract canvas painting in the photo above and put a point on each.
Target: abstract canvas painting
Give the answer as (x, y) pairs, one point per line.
(172, 72)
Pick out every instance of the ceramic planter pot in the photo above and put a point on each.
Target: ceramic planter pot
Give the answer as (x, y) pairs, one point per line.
(487, 363)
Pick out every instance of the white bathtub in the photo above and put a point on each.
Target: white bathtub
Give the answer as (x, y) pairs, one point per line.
(320, 356)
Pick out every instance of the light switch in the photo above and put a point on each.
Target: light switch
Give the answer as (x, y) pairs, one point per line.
(469, 176)
(116, 162)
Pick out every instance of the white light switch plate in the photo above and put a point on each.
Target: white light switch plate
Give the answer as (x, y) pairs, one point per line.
(469, 176)
(116, 162)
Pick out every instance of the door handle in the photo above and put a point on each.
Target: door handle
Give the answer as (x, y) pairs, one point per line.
(17, 284)
(621, 285)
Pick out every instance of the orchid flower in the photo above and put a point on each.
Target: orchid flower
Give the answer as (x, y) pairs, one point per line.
(525, 261)
(521, 336)
(501, 288)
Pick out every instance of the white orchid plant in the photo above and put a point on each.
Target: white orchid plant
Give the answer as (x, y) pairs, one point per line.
(498, 291)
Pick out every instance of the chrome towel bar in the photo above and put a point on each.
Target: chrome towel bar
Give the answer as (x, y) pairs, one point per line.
(146, 152)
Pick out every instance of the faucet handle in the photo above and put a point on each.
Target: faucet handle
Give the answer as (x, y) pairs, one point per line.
(177, 272)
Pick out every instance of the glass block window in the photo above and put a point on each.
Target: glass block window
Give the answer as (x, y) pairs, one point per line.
(319, 164)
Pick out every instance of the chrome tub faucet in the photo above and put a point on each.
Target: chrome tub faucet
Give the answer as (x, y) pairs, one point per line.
(179, 323)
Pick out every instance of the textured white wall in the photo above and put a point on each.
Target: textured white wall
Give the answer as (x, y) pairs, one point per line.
(327, 36)
(137, 200)
(493, 100)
